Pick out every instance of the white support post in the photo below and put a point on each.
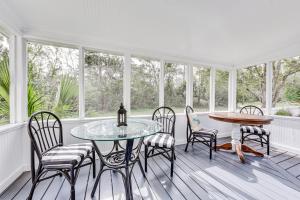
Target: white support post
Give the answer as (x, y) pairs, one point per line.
(21, 80)
(269, 82)
(12, 72)
(162, 83)
(127, 82)
(232, 90)
(81, 84)
(189, 85)
(212, 89)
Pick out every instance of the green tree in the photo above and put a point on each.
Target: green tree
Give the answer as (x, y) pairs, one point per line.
(252, 81)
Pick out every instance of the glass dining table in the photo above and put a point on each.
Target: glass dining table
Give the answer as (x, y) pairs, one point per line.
(120, 158)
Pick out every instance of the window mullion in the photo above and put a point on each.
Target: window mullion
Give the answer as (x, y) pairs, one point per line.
(232, 90)
(189, 84)
(21, 80)
(212, 89)
(269, 79)
(12, 72)
(127, 82)
(162, 83)
(81, 84)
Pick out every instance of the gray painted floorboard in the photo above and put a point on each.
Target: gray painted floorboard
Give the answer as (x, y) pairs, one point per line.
(195, 177)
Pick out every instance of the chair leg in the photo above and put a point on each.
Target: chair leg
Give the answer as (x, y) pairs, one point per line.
(72, 182)
(32, 163)
(187, 143)
(242, 138)
(215, 147)
(261, 141)
(172, 161)
(146, 155)
(268, 145)
(32, 190)
(210, 147)
(94, 163)
(34, 182)
(186, 146)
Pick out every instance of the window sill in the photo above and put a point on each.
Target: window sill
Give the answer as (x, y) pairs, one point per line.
(11, 127)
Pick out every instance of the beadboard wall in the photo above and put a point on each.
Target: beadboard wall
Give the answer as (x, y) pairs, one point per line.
(14, 141)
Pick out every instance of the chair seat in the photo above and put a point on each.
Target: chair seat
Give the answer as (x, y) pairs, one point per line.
(160, 140)
(207, 132)
(66, 156)
(255, 130)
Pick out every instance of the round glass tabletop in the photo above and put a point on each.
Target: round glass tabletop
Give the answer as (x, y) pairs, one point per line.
(107, 130)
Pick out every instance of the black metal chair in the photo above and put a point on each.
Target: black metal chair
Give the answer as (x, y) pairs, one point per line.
(202, 135)
(46, 135)
(248, 131)
(163, 142)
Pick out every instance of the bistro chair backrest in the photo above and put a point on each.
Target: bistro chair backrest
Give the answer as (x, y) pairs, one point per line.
(166, 116)
(251, 110)
(188, 110)
(45, 132)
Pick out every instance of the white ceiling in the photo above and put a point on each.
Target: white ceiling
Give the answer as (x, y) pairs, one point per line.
(217, 31)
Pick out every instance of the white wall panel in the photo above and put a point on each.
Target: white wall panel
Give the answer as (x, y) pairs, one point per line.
(285, 133)
(11, 156)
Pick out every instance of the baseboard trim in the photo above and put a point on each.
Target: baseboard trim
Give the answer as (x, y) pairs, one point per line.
(287, 148)
(9, 180)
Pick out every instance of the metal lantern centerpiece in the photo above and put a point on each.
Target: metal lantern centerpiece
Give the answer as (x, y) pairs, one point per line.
(122, 116)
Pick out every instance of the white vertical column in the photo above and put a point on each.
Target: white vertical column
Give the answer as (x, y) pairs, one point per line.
(162, 83)
(81, 84)
(212, 89)
(269, 82)
(189, 85)
(21, 79)
(127, 82)
(12, 72)
(232, 90)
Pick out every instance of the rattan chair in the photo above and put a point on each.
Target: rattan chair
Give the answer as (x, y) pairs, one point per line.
(207, 137)
(46, 135)
(260, 134)
(163, 142)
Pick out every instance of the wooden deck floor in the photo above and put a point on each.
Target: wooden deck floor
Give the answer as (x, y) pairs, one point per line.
(196, 177)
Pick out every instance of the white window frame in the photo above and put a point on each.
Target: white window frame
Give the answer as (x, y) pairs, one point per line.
(269, 85)
(191, 84)
(125, 99)
(81, 84)
(186, 77)
(126, 77)
(212, 89)
(22, 59)
(161, 79)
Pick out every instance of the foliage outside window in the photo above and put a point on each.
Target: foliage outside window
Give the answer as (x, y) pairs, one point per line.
(175, 86)
(103, 83)
(201, 76)
(144, 85)
(221, 96)
(286, 87)
(4, 80)
(251, 86)
(53, 79)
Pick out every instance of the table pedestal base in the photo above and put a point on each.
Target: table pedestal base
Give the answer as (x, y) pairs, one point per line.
(236, 145)
(121, 161)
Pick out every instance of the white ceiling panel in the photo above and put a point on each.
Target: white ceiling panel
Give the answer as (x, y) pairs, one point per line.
(228, 32)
